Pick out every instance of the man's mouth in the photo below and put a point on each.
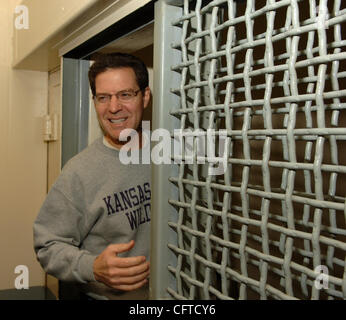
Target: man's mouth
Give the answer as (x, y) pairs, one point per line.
(117, 121)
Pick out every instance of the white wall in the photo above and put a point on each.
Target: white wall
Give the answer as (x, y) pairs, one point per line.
(23, 157)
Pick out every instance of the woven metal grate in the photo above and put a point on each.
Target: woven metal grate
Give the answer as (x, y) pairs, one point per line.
(271, 74)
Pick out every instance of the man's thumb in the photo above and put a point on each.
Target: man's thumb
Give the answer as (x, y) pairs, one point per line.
(123, 247)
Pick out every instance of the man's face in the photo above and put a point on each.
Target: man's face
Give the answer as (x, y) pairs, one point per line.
(115, 115)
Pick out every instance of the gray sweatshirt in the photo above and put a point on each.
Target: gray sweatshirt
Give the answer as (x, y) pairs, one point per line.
(96, 201)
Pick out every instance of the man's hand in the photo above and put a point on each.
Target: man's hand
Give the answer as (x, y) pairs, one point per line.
(121, 273)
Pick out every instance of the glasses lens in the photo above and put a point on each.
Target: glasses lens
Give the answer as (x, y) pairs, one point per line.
(126, 95)
(123, 96)
(102, 98)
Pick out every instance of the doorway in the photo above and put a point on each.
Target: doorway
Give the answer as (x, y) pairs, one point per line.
(134, 35)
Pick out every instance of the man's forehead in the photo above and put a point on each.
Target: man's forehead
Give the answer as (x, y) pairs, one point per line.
(119, 69)
(121, 76)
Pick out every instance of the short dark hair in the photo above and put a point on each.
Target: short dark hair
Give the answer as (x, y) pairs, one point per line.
(115, 60)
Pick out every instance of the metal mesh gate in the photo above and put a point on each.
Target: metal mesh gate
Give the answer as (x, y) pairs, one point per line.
(271, 75)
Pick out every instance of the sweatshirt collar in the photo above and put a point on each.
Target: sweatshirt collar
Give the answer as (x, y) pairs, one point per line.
(108, 145)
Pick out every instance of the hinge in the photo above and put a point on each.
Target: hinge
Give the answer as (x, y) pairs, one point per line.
(50, 129)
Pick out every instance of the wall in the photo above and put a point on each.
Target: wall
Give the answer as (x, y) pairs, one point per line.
(23, 157)
(58, 26)
(24, 100)
(34, 48)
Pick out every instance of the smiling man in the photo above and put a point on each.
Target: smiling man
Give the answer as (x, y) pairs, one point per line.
(120, 96)
(93, 229)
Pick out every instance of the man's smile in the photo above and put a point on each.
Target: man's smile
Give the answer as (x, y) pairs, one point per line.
(117, 121)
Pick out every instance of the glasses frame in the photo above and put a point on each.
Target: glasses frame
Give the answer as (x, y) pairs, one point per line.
(118, 96)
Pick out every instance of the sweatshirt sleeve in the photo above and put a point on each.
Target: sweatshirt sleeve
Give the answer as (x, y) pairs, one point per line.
(59, 230)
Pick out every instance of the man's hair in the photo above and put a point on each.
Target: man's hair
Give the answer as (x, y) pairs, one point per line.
(106, 61)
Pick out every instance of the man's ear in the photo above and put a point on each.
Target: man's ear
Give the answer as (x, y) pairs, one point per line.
(146, 97)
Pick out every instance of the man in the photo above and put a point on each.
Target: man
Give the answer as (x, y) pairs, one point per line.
(93, 228)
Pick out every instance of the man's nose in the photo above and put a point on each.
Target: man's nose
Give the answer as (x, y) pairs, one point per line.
(114, 104)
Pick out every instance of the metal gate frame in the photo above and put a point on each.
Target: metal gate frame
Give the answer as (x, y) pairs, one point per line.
(163, 99)
(167, 252)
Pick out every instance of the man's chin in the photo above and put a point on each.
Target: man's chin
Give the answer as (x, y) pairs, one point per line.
(114, 140)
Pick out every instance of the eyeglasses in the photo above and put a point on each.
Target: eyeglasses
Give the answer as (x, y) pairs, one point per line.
(122, 96)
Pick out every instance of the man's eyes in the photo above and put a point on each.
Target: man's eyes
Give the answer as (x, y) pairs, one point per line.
(103, 97)
(125, 94)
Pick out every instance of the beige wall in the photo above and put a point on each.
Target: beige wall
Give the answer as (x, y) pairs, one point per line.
(23, 157)
(58, 26)
(23, 103)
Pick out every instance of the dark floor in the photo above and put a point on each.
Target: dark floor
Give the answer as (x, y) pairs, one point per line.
(33, 293)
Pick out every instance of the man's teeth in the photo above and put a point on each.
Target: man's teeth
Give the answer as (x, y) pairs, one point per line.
(118, 120)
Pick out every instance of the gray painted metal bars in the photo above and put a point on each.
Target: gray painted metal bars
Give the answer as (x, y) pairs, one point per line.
(161, 211)
(271, 75)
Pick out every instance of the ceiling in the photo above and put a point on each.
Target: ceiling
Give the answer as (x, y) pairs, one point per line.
(133, 41)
